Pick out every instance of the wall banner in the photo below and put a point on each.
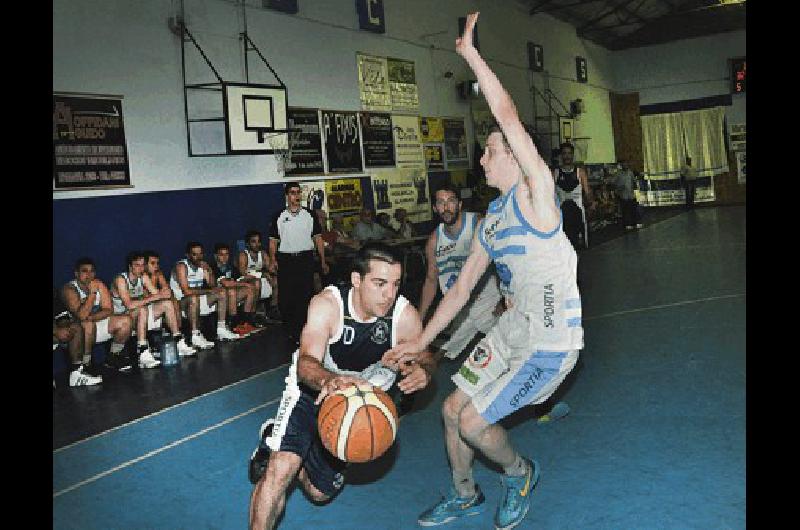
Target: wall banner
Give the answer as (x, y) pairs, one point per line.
(455, 142)
(344, 195)
(741, 166)
(403, 188)
(373, 82)
(407, 141)
(305, 143)
(434, 156)
(432, 130)
(376, 130)
(403, 85)
(89, 147)
(342, 141)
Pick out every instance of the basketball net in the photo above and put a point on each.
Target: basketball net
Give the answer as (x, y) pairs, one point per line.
(282, 154)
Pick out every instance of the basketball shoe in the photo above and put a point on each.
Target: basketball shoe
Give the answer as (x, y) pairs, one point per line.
(516, 497)
(80, 378)
(260, 457)
(453, 507)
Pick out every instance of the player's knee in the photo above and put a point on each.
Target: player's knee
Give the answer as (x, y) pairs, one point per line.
(63, 334)
(471, 426)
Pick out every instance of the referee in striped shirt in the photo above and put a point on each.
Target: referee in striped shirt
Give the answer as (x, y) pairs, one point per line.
(293, 235)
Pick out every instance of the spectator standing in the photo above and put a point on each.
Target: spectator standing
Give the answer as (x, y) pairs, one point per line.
(624, 182)
(689, 180)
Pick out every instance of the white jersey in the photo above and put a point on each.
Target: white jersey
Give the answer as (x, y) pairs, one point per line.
(194, 277)
(135, 290)
(254, 265)
(83, 295)
(538, 271)
(451, 254)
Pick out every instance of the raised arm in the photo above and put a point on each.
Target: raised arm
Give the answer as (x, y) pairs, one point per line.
(538, 177)
(431, 284)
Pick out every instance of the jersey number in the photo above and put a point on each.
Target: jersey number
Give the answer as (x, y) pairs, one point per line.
(348, 334)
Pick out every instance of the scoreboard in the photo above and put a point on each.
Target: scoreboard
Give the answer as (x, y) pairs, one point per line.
(738, 75)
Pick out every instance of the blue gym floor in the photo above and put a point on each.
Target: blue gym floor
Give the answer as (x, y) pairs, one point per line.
(655, 439)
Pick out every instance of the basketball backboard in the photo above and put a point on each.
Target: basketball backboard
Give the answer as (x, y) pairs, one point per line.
(255, 118)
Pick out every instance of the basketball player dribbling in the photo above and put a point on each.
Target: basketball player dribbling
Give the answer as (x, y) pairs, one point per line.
(343, 342)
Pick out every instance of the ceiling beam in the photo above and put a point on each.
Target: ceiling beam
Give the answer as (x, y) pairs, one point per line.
(589, 23)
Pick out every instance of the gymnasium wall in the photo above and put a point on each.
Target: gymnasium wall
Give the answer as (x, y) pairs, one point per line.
(126, 48)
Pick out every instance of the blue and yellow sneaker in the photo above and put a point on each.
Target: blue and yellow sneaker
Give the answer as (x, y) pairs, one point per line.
(453, 507)
(516, 497)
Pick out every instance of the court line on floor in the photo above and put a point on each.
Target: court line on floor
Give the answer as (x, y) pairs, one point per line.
(164, 448)
(153, 414)
(662, 306)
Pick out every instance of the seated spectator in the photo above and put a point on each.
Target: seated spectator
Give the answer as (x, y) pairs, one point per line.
(133, 294)
(67, 330)
(335, 236)
(226, 276)
(402, 225)
(190, 281)
(366, 229)
(254, 265)
(89, 302)
(385, 222)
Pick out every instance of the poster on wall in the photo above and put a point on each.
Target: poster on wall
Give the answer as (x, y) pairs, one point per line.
(741, 166)
(670, 192)
(89, 147)
(455, 143)
(403, 188)
(431, 130)
(434, 156)
(373, 82)
(345, 200)
(376, 129)
(313, 196)
(403, 85)
(482, 120)
(407, 141)
(342, 141)
(738, 137)
(305, 143)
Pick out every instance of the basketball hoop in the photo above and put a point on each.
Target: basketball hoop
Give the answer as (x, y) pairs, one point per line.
(281, 153)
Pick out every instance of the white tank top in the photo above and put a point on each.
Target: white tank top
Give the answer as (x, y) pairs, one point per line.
(538, 271)
(135, 290)
(576, 195)
(194, 278)
(451, 254)
(84, 295)
(254, 265)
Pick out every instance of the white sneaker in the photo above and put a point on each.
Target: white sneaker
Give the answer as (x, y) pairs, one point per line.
(226, 334)
(199, 341)
(79, 378)
(184, 349)
(146, 360)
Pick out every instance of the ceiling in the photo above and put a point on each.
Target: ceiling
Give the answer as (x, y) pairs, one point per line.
(621, 24)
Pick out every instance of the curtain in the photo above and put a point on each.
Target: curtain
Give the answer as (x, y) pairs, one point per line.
(662, 145)
(704, 135)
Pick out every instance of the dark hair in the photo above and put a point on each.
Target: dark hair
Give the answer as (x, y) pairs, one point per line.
(191, 244)
(133, 256)
(374, 251)
(288, 186)
(151, 254)
(84, 261)
(220, 246)
(448, 186)
(495, 127)
(251, 233)
(565, 145)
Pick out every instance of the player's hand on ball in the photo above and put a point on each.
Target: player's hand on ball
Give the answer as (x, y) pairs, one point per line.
(336, 383)
(415, 377)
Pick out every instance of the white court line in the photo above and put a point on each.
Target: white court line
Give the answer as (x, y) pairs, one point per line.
(674, 304)
(137, 420)
(162, 449)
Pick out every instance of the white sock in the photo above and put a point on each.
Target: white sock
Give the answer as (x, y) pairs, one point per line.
(116, 348)
(517, 469)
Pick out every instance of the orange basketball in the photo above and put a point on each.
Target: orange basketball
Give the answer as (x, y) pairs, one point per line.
(357, 423)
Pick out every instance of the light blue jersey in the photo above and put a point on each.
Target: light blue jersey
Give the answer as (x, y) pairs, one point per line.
(538, 272)
(451, 253)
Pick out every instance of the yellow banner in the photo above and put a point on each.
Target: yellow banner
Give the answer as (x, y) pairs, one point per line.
(402, 188)
(432, 130)
(343, 195)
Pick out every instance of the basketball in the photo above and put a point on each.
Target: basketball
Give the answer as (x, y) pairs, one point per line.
(357, 423)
